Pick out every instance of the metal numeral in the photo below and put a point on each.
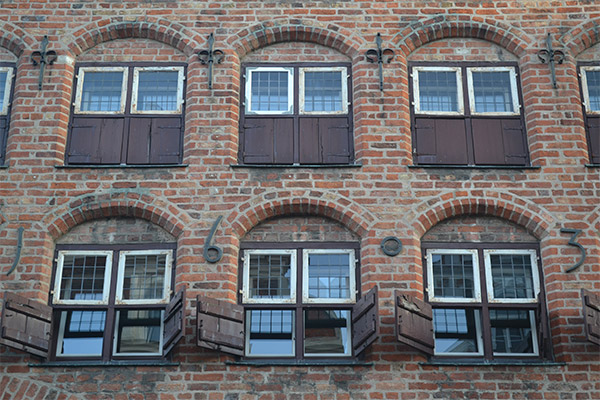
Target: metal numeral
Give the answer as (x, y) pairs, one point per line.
(213, 254)
(573, 242)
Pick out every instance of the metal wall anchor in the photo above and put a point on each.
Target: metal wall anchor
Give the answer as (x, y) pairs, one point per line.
(210, 57)
(380, 56)
(551, 56)
(19, 247)
(42, 58)
(212, 253)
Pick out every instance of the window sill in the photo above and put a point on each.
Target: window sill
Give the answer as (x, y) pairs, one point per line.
(120, 166)
(592, 165)
(301, 363)
(295, 166)
(466, 363)
(3, 166)
(452, 166)
(78, 364)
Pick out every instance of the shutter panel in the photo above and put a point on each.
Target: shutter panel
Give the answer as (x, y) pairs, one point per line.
(3, 136)
(365, 321)
(544, 341)
(165, 141)
(268, 141)
(414, 323)
(498, 141)
(26, 324)
(95, 141)
(173, 322)
(325, 140)
(310, 146)
(591, 316)
(220, 325)
(440, 141)
(593, 136)
(138, 143)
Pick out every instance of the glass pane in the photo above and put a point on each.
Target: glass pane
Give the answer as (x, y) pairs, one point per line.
(511, 331)
(157, 91)
(82, 332)
(593, 87)
(270, 276)
(511, 276)
(326, 332)
(101, 91)
(138, 331)
(82, 277)
(3, 78)
(455, 330)
(269, 91)
(144, 276)
(323, 91)
(453, 275)
(438, 91)
(271, 332)
(329, 276)
(492, 91)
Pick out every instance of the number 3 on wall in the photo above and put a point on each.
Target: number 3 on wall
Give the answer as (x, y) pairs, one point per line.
(573, 242)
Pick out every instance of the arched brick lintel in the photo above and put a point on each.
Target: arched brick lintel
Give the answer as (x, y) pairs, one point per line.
(14, 39)
(582, 37)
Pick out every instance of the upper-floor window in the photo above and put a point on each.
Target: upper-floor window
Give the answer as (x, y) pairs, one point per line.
(6, 90)
(296, 114)
(467, 115)
(127, 115)
(590, 88)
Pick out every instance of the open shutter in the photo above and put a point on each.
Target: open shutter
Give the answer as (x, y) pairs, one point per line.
(593, 136)
(173, 318)
(365, 321)
(498, 141)
(26, 324)
(220, 325)
(591, 316)
(542, 329)
(3, 135)
(268, 141)
(414, 323)
(95, 141)
(440, 141)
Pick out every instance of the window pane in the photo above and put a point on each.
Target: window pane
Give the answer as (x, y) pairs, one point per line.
(323, 91)
(511, 331)
(329, 276)
(138, 331)
(82, 277)
(3, 78)
(157, 91)
(82, 333)
(453, 275)
(438, 91)
(455, 330)
(593, 87)
(270, 276)
(101, 91)
(144, 276)
(492, 91)
(271, 332)
(326, 332)
(269, 91)
(512, 276)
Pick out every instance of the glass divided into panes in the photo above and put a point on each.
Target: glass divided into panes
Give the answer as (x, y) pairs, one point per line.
(269, 91)
(157, 91)
(81, 333)
(327, 332)
(592, 78)
(453, 275)
(270, 276)
(83, 277)
(329, 275)
(144, 276)
(457, 331)
(271, 332)
(513, 331)
(492, 91)
(102, 91)
(138, 332)
(512, 276)
(4, 81)
(438, 91)
(323, 91)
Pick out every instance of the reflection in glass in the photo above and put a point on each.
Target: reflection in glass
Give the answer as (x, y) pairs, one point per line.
(157, 90)
(82, 333)
(3, 78)
(144, 276)
(438, 91)
(593, 87)
(512, 331)
(271, 332)
(270, 276)
(492, 91)
(453, 275)
(456, 330)
(138, 331)
(82, 277)
(102, 91)
(269, 91)
(326, 332)
(323, 91)
(512, 276)
(329, 276)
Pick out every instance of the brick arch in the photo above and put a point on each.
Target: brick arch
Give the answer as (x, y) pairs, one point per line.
(440, 27)
(14, 39)
(582, 37)
(497, 204)
(295, 30)
(250, 214)
(170, 33)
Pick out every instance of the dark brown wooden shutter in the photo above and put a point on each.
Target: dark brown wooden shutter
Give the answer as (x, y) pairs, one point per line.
(95, 140)
(325, 140)
(173, 322)
(591, 316)
(440, 141)
(544, 341)
(154, 140)
(220, 325)
(3, 136)
(414, 323)
(593, 136)
(26, 324)
(268, 141)
(498, 141)
(365, 321)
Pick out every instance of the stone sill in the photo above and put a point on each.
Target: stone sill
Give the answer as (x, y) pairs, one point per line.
(79, 364)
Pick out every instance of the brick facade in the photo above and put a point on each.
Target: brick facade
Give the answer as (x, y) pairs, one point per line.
(384, 194)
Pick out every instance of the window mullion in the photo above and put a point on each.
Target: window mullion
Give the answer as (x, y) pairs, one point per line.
(299, 313)
(296, 113)
(486, 328)
(109, 332)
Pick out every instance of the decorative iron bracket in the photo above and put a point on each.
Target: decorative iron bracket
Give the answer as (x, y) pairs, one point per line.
(551, 56)
(380, 56)
(211, 253)
(210, 57)
(42, 58)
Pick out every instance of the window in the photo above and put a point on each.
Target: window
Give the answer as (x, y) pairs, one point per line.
(296, 115)
(127, 115)
(6, 84)
(590, 87)
(467, 115)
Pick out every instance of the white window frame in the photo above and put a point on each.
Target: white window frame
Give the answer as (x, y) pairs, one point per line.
(248, 90)
(134, 94)
(7, 88)
(344, 73)
(116, 334)
(459, 90)
(263, 355)
(476, 278)
(59, 270)
(489, 279)
(513, 89)
(478, 337)
(79, 91)
(305, 278)
(167, 280)
(246, 299)
(61, 334)
(585, 90)
(348, 344)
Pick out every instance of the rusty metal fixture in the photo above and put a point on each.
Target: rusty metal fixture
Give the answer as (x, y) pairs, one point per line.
(380, 56)
(551, 56)
(19, 247)
(42, 58)
(210, 57)
(211, 253)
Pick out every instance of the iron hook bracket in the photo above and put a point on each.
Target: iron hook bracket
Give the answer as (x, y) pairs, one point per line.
(380, 56)
(210, 57)
(550, 56)
(42, 58)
